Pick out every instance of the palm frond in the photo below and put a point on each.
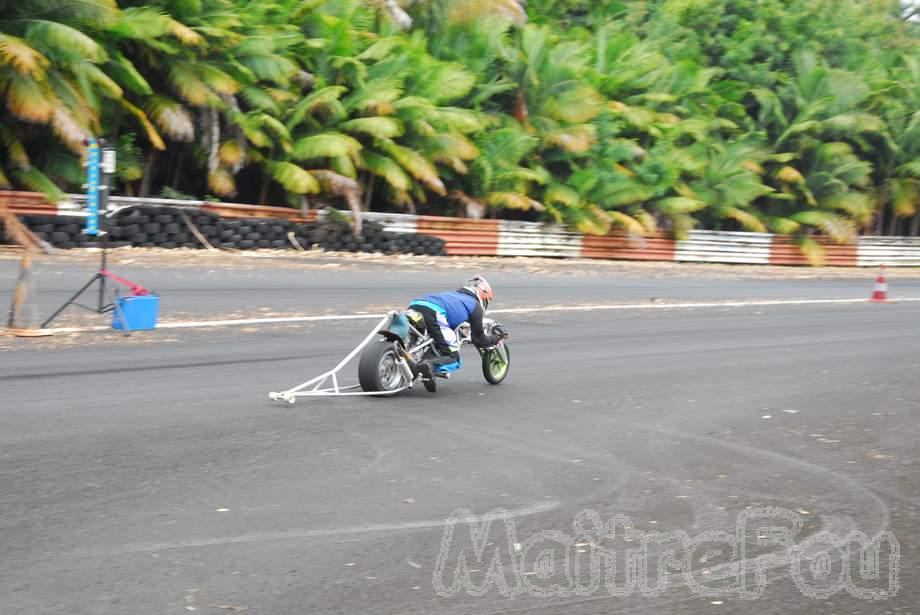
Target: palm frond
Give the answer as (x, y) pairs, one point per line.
(860, 206)
(64, 40)
(326, 145)
(185, 79)
(679, 205)
(628, 223)
(375, 95)
(646, 219)
(185, 34)
(102, 12)
(102, 80)
(22, 57)
(127, 74)
(377, 127)
(15, 151)
(231, 154)
(784, 226)
(389, 170)
(276, 127)
(270, 67)
(218, 80)
(30, 100)
(513, 200)
(626, 193)
(790, 175)
(257, 98)
(68, 130)
(172, 118)
(381, 49)
(574, 139)
(444, 83)
(748, 220)
(911, 169)
(139, 23)
(326, 97)
(905, 197)
(560, 194)
(293, 178)
(417, 166)
(835, 226)
(220, 181)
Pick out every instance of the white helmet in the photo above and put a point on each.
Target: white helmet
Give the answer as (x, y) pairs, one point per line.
(481, 288)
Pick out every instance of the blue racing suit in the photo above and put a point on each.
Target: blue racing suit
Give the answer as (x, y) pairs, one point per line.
(443, 313)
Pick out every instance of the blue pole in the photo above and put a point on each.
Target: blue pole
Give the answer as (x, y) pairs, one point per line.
(92, 188)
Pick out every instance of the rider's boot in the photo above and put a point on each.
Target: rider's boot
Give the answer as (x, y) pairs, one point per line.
(413, 367)
(426, 369)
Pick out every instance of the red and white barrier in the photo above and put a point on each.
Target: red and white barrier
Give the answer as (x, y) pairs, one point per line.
(511, 238)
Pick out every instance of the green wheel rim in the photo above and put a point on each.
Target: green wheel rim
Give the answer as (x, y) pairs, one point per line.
(497, 364)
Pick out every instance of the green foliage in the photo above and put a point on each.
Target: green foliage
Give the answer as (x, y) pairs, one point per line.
(790, 116)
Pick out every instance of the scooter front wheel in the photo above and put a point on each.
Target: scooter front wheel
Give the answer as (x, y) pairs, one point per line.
(495, 363)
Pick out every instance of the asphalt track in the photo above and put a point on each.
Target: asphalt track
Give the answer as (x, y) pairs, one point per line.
(152, 475)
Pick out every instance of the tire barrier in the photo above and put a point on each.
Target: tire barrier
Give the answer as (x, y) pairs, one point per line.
(158, 223)
(173, 227)
(337, 236)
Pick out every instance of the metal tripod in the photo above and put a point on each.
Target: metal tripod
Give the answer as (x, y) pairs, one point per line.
(107, 296)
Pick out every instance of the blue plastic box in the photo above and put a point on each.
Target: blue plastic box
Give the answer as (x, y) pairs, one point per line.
(140, 312)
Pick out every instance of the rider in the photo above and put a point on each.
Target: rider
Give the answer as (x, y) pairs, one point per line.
(443, 313)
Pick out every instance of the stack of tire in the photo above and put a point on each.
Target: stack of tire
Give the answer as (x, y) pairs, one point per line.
(337, 236)
(61, 231)
(165, 227)
(258, 233)
(161, 227)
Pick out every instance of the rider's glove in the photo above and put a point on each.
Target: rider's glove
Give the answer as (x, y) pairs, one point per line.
(499, 333)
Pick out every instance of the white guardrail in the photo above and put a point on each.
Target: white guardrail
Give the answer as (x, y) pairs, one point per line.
(890, 251)
(534, 239)
(724, 247)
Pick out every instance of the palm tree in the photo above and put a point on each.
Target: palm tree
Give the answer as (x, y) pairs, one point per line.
(222, 73)
(816, 122)
(898, 167)
(53, 75)
(498, 178)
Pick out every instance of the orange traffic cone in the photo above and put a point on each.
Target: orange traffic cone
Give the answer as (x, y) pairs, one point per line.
(880, 294)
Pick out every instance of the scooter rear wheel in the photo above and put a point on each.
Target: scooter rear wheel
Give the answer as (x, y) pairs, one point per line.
(379, 369)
